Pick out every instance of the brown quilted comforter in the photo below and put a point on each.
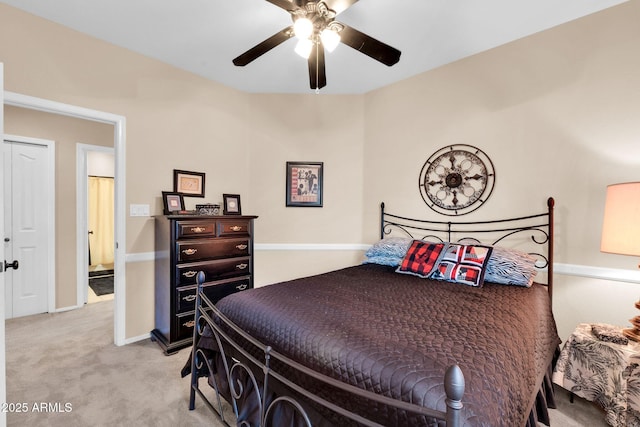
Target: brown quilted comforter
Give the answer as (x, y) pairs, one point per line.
(396, 334)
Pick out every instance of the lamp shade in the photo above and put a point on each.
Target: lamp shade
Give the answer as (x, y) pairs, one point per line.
(303, 48)
(303, 28)
(330, 39)
(621, 224)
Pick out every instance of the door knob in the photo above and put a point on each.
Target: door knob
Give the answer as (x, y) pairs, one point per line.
(13, 265)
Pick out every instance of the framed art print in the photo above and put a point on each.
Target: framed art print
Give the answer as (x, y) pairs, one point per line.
(304, 184)
(173, 203)
(188, 183)
(231, 204)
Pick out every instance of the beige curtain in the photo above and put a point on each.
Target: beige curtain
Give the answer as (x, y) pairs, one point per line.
(101, 220)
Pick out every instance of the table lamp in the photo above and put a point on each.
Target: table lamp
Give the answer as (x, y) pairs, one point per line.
(621, 231)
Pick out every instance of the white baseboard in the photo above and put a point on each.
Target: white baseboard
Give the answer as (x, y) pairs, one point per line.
(136, 339)
(69, 308)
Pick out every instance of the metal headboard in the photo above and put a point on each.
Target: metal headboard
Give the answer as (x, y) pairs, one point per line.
(538, 227)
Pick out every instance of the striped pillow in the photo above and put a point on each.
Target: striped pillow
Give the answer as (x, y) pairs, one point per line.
(388, 251)
(510, 267)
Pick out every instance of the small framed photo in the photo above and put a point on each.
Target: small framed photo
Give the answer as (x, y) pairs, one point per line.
(231, 204)
(304, 184)
(173, 203)
(188, 183)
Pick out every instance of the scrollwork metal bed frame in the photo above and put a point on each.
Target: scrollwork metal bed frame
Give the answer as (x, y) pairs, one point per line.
(238, 360)
(539, 225)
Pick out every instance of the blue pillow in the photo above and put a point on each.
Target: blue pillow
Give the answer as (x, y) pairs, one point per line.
(391, 261)
(388, 251)
(510, 267)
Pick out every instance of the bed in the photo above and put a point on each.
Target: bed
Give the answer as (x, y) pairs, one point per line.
(436, 327)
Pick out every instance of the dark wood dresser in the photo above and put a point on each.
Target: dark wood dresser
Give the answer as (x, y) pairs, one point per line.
(220, 246)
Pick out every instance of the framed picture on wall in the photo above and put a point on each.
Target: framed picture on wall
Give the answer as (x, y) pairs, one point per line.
(188, 183)
(231, 204)
(304, 184)
(173, 202)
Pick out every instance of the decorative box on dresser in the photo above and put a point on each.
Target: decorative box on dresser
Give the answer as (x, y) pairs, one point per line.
(220, 246)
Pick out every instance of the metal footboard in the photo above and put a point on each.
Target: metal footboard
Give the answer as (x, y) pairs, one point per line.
(255, 372)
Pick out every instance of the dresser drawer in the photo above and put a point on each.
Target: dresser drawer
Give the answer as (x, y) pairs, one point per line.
(190, 229)
(230, 227)
(183, 325)
(213, 270)
(195, 250)
(186, 296)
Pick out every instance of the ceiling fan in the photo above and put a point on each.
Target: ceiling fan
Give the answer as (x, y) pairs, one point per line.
(316, 28)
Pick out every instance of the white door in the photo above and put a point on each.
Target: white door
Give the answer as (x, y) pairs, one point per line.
(3, 381)
(26, 223)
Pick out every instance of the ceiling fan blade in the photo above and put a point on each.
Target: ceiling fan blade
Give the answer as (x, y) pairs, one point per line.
(283, 4)
(317, 75)
(264, 47)
(369, 46)
(339, 6)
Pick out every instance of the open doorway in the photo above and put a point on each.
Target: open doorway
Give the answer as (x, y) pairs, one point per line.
(118, 123)
(100, 220)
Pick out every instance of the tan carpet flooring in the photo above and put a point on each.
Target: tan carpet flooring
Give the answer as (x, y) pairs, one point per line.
(69, 360)
(66, 369)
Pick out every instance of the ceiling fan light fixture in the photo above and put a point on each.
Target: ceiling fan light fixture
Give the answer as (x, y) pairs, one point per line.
(314, 24)
(330, 39)
(303, 48)
(303, 28)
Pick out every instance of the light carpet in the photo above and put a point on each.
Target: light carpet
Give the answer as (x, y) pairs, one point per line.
(67, 372)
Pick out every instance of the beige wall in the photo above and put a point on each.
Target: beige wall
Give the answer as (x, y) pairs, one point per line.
(557, 112)
(176, 120)
(66, 132)
(328, 129)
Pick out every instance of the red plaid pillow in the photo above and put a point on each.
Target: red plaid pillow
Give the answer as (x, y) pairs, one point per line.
(420, 258)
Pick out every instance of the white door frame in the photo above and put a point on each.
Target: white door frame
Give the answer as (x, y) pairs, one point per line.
(119, 123)
(3, 360)
(82, 220)
(51, 212)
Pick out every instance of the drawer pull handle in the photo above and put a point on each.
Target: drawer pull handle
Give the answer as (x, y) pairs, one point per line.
(189, 324)
(189, 251)
(242, 247)
(189, 274)
(241, 287)
(235, 228)
(189, 298)
(198, 229)
(242, 266)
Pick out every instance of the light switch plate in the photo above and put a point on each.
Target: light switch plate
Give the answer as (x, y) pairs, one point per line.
(138, 210)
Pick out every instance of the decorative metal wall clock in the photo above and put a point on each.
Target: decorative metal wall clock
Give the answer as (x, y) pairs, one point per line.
(456, 179)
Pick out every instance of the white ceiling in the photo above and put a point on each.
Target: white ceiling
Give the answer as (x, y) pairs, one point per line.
(203, 36)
